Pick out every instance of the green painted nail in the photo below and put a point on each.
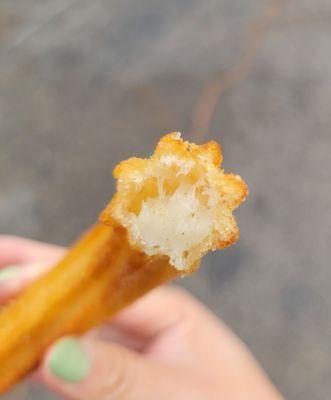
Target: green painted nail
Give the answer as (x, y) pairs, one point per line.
(69, 361)
(9, 272)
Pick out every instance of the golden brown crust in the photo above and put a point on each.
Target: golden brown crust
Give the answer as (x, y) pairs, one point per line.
(107, 269)
(176, 162)
(100, 275)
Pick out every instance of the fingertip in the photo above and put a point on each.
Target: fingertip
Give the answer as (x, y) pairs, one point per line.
(86, 369)
(66, 367)
(9, 272)
(14, 250)
(68, 360)
(10, 281)
(14, 278)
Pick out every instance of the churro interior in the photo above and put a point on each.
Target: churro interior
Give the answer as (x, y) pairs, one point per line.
(177, 203)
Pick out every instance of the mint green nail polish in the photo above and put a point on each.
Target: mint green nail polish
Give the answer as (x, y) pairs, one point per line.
(69, 361)
(9, 272)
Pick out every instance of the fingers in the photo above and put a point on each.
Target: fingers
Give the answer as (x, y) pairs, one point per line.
(15, 250)
(21, 262)
(174, 327)
(163, 310)
(90, 369)
(156, 312)
(14, 278)
(115, 334)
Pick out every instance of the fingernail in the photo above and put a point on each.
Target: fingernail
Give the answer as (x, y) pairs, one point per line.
(9, 272)
(69, 361)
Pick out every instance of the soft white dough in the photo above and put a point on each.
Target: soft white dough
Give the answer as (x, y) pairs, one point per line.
(172, 224)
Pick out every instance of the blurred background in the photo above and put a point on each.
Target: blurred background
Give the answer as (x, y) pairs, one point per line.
(84, 84)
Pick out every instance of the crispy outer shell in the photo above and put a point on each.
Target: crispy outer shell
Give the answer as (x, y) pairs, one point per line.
(138, 179)
(100, 275)
(104, 271)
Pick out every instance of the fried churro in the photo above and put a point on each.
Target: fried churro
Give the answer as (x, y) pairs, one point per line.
(168, 211)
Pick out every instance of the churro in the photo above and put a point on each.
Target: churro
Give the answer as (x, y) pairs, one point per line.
(168, 211)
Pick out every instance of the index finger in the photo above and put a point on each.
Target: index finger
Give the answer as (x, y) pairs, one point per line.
(25, 260)
(158, 311)
(15, 250)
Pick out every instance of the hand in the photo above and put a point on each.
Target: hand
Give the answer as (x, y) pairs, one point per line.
(165, 346)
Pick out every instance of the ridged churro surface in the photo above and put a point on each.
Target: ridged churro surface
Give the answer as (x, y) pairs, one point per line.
(168, 211)
(100, 275)
(179, 202)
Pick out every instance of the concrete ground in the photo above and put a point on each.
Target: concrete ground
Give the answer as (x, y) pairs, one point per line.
(84, 84)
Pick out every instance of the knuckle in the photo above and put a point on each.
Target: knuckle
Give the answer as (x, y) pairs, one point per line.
(187, 306)
(119, 383)
(181, 296)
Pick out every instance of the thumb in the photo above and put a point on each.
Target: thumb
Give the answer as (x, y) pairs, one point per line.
(90, 369)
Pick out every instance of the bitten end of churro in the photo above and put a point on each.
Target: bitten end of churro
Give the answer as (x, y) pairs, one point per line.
(168, 211)
(177, 203)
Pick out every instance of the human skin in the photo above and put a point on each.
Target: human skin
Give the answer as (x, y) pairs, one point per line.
(165, 346)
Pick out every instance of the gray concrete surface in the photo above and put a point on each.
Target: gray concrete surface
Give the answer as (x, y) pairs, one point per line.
(84, 84)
